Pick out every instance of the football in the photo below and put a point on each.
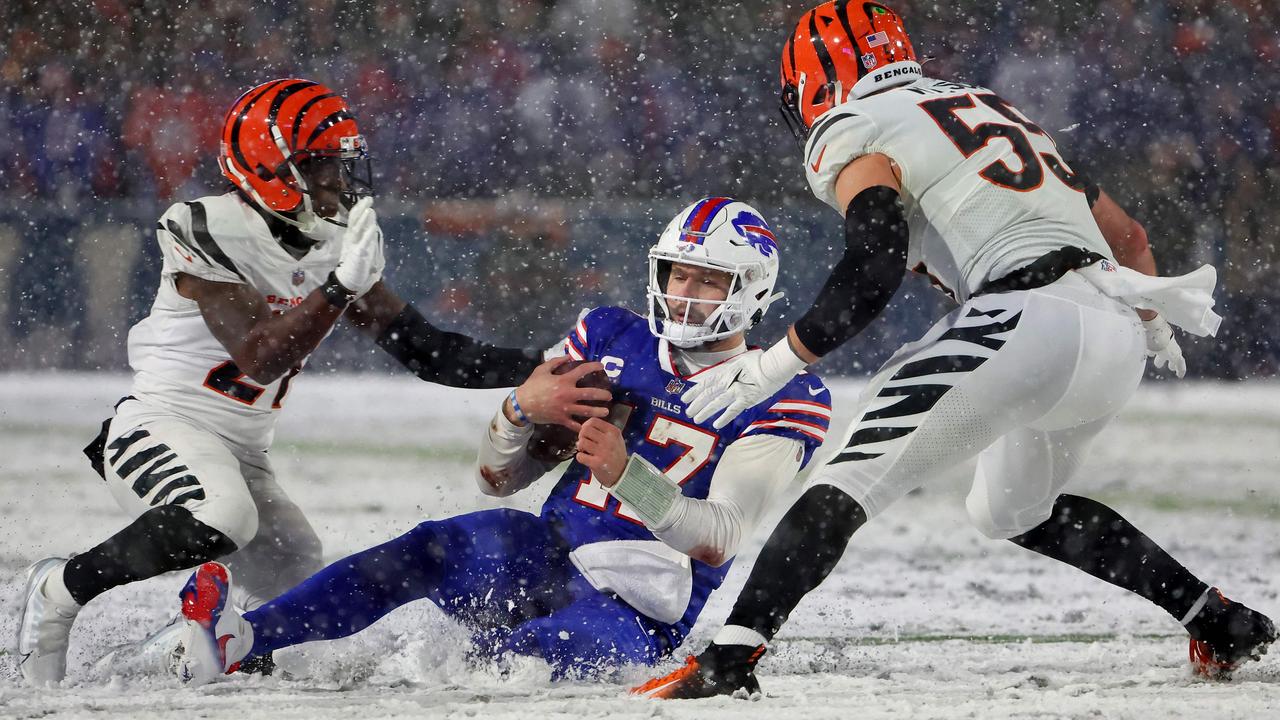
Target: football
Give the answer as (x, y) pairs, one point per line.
(557, 443)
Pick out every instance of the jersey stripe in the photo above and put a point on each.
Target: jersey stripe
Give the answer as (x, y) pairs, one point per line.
(200, 230)
(573, 352)
(824, 126)
(816, 432)
(797, 421)
(176, 231)
(803, 407)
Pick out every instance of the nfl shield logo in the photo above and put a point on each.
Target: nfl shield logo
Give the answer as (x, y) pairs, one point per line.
(869, 60)
(675, 387)
(299, 276)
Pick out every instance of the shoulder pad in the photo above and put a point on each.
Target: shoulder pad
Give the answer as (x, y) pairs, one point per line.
(837, 139)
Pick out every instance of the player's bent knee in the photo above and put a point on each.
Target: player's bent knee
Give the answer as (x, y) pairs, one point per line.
(999, 525)
(235, 518)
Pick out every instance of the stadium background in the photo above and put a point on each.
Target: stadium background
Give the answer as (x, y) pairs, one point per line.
(529, 151)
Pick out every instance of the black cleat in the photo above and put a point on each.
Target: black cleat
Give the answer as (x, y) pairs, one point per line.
(719, 670)
(1225, 635)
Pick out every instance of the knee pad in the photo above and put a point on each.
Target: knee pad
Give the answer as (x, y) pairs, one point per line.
(1006, 523)
(237, 518)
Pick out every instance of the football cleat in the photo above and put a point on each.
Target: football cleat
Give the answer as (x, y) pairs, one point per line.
(1225, 635)
(44, 628)
(152, 655)
(216, 637)
(719, 670)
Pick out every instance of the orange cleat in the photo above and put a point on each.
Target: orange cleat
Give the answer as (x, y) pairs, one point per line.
(1225, 635)
(719, 670)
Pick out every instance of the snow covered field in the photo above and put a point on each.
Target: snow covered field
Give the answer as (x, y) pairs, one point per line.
(923, 619)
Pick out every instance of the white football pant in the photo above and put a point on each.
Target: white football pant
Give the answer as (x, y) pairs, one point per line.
(1024, 380)
(154, 458)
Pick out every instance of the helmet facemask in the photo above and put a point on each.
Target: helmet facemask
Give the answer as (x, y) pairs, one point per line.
(726, 318)
(355, 176)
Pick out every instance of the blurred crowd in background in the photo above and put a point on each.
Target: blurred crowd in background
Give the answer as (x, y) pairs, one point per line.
(111, 108)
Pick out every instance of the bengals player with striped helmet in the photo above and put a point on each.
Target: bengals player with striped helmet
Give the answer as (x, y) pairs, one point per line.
(252, 281)
(1051, 337)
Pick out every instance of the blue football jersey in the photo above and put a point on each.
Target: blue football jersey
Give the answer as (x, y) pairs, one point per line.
(646, 394)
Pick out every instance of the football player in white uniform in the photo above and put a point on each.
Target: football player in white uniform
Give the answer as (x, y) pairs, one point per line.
(252, 281)
(1058, 312)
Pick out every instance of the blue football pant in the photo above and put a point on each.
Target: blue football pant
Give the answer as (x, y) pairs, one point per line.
(505, 574)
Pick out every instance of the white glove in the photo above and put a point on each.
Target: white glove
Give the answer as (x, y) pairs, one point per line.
(361, 262)
(743, 382)
(1163, 347)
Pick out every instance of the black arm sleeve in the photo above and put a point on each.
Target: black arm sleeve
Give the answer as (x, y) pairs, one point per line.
(452, 359)
(867, 275)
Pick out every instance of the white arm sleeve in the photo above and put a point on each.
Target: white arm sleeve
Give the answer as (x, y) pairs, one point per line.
(503, 467)
(750, 474)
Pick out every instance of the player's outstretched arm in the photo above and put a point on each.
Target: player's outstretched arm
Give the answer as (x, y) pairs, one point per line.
(433, 354)
(504, 466)
(855, 293)
(263, 346)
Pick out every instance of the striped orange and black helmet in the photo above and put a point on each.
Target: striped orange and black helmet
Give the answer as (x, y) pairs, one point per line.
(277, 126)
(842, 49)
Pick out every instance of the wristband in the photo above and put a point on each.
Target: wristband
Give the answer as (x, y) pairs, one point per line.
(337, 294)
(780, 362)
(515, 407)
(646, 490)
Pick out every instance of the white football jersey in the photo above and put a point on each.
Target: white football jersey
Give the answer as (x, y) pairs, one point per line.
(984, 188)
(178, 364)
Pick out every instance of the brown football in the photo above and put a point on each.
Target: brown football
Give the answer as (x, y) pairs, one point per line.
(557, 443)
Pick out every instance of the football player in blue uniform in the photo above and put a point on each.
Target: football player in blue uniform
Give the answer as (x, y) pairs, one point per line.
(638, 531)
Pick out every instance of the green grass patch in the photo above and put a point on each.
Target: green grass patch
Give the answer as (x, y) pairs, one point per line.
(981, 639)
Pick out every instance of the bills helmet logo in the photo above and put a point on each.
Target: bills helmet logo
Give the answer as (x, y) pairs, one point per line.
(756, 232)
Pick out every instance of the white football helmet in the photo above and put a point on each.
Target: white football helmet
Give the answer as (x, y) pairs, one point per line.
(722, 234)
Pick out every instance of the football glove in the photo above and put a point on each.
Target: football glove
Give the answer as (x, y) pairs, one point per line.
(1162, 346)
(743, 382)
(361, 263)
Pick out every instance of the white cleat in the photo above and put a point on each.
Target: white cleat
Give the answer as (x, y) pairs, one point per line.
(153, 655)
(44, 629)
(216, 637)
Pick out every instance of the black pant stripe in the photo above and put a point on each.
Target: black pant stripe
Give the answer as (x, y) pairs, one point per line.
(172, 485)
(124, 442)
(141, 457)
(851, 456)
(938, 366)
(153, 475)
(980, 334)
(915, 399)
(197, 494)
(878, 434)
